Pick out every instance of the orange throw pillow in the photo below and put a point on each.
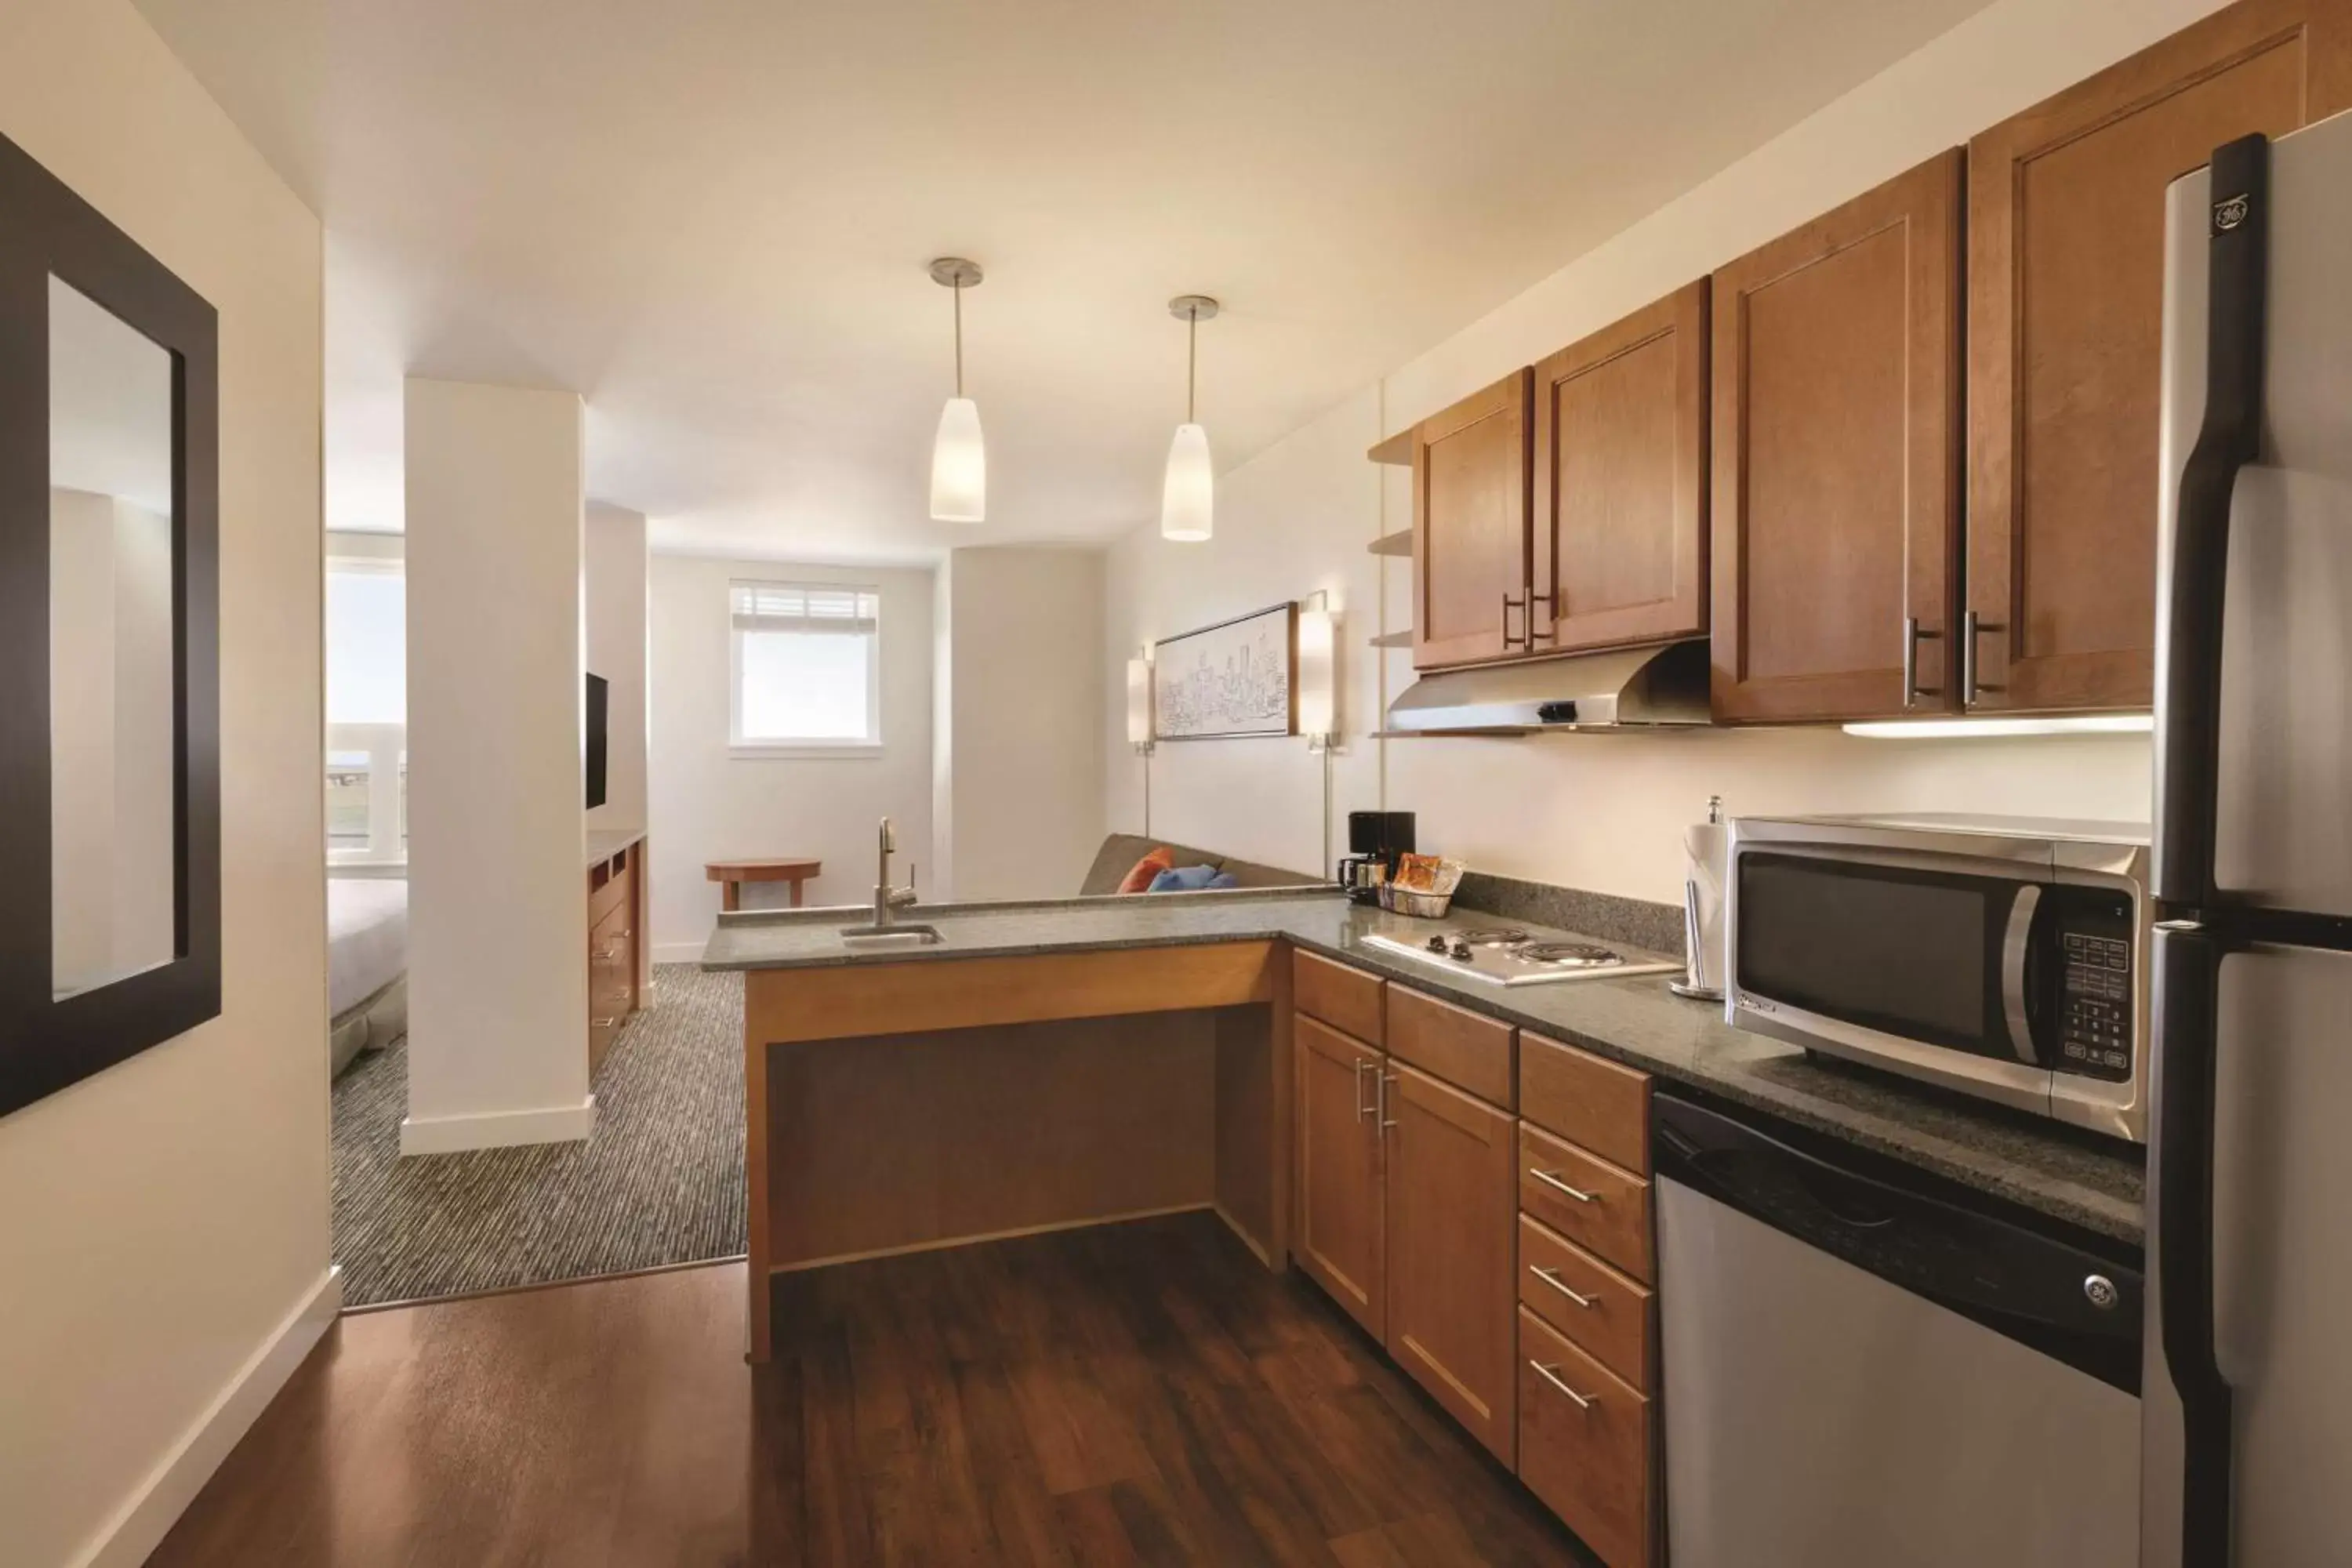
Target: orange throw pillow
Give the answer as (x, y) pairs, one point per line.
(1139, 879)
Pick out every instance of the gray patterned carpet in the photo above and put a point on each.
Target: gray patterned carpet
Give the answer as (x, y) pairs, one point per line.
(661, 1182)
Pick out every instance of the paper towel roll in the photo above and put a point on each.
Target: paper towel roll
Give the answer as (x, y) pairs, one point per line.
(1705, 847)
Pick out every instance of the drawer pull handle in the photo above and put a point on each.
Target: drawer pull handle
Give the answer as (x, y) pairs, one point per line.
(1364, 1109)
(604, 954)
(607, 1023)
(1550, 1180)
(1584, 1400)
(1562, 1286)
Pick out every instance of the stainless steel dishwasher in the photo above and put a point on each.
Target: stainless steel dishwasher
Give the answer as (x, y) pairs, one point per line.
(1864, 1369)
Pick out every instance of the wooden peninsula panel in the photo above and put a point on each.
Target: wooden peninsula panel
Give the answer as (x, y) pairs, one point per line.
(897, 1142)
(899, 1106)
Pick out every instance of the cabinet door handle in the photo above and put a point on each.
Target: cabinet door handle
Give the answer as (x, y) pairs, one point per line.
(1386, 1121)
(1509, 604)
(1550, 633)
(1551, 1179)
(605, 1022)
(1584, 1400)
(1972, 628)
(1912, 636)
(1363, 1065)
(1553, 1280)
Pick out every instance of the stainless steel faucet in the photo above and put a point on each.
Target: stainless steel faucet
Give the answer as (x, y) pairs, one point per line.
(886, 898)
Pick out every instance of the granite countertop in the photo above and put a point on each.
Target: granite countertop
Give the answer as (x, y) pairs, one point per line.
(2088, 1182)
(603, 843)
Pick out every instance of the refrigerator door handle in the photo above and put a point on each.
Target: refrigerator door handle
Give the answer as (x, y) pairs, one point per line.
(2186, 1010)
(2189, 694)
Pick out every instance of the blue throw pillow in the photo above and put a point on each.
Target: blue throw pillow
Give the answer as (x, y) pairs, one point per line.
(1182, 880)
(1224, 879)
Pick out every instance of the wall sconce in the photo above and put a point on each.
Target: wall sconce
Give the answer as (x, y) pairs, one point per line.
(1138, 705)
(1318, 684)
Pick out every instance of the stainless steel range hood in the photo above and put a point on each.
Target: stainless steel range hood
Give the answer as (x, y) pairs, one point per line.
(1631, 688)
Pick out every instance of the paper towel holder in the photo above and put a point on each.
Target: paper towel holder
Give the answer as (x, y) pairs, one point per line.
(1696, 983)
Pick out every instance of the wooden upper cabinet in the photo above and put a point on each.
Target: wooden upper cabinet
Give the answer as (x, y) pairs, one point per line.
(1470, 512)
(1620, 539)
(1836, 444)
(2065, 339)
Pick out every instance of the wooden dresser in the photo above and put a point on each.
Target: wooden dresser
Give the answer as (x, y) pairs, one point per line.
(616, 944)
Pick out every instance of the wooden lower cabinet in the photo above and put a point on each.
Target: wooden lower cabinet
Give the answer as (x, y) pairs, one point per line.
(1502, 1267)
(1450, 1168)
(1339, 1235)
(612, 982)
(616, 972)
(1592, 1202)
(1585, 1438)
(1607, 1313)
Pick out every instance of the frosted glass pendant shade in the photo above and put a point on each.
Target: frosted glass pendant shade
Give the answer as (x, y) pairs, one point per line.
(1188, 498)
(959, 465)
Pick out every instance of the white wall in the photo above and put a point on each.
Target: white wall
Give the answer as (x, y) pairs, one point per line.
(497, 912)
(164, 1225)
(709, 805)
(1600, 812)
(1024, 785)
(613, 568)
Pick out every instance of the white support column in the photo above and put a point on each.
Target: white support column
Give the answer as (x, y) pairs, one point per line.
(498, 969)
(613, 568)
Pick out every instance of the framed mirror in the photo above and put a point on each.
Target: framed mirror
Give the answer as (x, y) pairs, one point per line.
(110, 731)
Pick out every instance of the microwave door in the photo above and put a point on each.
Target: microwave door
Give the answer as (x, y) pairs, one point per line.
(1894, 963)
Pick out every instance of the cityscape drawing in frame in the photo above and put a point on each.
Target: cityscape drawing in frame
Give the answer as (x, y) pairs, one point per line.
(1237, 678)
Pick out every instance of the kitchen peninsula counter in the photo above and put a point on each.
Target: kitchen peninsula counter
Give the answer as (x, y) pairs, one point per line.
(2092, 1183)
(994, 1109)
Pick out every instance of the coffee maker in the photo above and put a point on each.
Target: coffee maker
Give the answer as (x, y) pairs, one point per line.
(1375, 840)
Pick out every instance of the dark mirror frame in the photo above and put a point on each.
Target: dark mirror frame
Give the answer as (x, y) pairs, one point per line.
(45, 1043)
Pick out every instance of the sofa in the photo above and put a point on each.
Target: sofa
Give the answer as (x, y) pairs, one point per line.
(1120, 851)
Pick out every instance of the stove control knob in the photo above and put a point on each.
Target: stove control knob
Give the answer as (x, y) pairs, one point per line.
(2102, 1293)
(1437, 945)
(1461, 950)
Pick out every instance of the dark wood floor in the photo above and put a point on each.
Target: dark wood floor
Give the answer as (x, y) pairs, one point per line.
(1138, 1394)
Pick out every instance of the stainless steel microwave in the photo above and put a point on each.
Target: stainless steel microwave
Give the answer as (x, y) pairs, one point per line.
(2003, 957)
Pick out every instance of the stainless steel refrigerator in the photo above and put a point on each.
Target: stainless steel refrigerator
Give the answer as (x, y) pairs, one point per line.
(2247, 1393)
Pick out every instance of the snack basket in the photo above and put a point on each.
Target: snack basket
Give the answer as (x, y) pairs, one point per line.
(1424, 887)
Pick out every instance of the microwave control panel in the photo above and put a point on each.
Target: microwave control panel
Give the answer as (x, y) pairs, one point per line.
(2097, 982)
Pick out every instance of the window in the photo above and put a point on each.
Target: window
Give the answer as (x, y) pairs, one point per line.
(807, 668)
(367, 712)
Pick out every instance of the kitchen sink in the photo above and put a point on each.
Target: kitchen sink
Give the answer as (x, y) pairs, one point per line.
(884, 939)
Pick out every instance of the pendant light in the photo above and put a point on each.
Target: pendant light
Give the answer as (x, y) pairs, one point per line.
(1188, 496)
(958, 457)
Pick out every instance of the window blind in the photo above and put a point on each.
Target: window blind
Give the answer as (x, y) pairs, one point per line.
(805, 607)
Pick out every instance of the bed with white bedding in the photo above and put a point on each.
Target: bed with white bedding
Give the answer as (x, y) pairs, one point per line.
(367, 964)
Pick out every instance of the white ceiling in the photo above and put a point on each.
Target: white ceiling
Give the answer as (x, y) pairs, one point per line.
(712, 217)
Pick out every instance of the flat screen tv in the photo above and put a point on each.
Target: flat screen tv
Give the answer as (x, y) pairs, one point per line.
(597, 702)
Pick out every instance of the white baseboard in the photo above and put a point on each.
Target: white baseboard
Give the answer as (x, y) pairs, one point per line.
(497, 1128)
(135, 1532)
(679, 951)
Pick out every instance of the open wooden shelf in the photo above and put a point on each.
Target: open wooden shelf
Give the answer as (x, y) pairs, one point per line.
(1396, 450)
(1394, 639)
(1397, 543)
